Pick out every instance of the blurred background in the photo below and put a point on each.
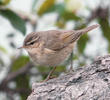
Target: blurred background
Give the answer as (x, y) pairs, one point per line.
(20, 17)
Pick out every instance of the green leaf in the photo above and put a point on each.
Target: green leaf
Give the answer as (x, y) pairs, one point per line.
(104, 23)
(60, 23)
(70, 16)
(47, 4)
(10, 35)
(14, 19)
(43, 70)
(4, 2)
(20, 62)
(59, 8)
(22, 82)
(3, 49)
(60, 68)
(82, 43)
(105, 27)
(12, 44)
(1, 63)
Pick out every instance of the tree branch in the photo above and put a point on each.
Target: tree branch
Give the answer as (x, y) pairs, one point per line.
(12, 75)
(90, 82)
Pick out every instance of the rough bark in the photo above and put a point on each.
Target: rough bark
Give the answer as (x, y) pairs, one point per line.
(91, 82)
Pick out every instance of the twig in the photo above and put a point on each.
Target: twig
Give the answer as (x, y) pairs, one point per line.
(11, 76)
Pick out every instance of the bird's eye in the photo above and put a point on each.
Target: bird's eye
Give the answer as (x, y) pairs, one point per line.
(31, 43)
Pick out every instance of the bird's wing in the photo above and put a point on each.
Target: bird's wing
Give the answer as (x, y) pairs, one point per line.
(56, 40)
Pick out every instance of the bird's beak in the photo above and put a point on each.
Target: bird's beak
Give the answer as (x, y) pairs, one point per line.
(22, 47)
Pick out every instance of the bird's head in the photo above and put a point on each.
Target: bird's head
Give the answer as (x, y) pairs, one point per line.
(30, 42)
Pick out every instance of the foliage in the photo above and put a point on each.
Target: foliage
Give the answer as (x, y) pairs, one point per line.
(19, 70)
(4, 2)
(14, 19)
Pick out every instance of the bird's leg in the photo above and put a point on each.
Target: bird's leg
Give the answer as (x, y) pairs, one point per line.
(50, 74)
(71, 62)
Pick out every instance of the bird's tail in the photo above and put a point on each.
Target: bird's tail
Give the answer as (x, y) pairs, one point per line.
(79, 33)
(87, 29)
(74, 35)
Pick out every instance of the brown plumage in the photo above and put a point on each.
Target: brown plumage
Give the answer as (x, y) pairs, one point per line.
(50, 48)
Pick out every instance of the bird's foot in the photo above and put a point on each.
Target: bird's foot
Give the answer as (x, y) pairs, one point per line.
(70, 69)
(50, 75)
(48, 78)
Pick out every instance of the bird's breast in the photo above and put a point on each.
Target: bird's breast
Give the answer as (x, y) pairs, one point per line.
(49, 57)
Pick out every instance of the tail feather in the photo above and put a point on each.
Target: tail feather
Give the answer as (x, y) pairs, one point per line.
(87, 29)
(79, 33)
(72, 36)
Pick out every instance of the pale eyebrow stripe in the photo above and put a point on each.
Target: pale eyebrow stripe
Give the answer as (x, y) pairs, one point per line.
(33, 40)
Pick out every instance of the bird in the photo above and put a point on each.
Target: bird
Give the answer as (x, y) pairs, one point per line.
(52, 47)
